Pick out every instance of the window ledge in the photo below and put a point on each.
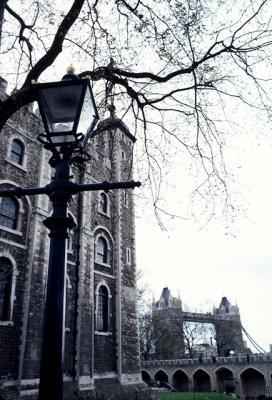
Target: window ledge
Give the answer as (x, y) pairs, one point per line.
(14, 231)
(103, 333)
(103, 264)
(22, 167)
(6, 323)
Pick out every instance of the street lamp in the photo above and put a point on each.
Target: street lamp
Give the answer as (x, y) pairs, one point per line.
(69, 116)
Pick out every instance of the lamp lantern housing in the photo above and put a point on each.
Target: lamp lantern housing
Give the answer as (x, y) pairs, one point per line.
(68, 111)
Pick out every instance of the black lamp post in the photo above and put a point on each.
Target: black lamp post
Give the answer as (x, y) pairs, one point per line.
(68, 111)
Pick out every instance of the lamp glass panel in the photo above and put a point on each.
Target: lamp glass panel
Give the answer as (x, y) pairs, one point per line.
(88, 113)
(60, 107)
(62, 139)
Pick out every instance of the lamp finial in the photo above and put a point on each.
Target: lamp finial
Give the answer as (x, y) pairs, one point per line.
(71, 69)
(70, 74)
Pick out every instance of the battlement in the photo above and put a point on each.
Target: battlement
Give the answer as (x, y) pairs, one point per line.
(254, 358)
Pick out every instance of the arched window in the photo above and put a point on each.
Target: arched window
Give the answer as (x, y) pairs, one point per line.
(5, 288)
(101, 254)
(103, 203)
(17, 152)
(102, 309)
(8, 212)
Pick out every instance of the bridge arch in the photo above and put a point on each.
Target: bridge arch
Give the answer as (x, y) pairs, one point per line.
(161, 376)
(225, 380)
(253, 383)
(202, 381)
(146, 377)
(180, 381)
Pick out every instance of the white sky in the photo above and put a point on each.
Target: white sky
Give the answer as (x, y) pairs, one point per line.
(204, 265)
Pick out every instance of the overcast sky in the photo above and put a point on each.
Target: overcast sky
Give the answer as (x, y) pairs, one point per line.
(205, 264)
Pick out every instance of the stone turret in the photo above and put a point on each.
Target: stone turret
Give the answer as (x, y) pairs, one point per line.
(167, 300)
(226, 308)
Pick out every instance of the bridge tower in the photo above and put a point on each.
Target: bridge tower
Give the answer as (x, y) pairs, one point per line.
(228, 329)
(168, 326)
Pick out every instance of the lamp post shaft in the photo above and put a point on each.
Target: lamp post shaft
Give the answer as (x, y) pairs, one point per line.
(51, 372)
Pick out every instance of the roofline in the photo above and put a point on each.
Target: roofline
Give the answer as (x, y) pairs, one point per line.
(115, 123)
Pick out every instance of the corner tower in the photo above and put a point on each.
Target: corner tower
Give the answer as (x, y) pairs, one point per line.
(115, 135)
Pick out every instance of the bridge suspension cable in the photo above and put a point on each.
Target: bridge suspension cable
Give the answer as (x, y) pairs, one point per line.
(252, 341)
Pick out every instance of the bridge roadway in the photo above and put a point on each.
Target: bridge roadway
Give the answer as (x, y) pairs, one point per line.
(198, 317)
(245, 371)
(207, 317)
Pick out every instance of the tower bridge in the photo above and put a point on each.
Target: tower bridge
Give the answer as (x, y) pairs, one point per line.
(169, 324)
(227, 367)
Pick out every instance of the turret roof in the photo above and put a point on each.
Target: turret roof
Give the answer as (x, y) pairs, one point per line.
(114, 122)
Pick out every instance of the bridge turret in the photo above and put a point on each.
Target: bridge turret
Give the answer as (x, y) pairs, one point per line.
(226, 308)
(167, 300)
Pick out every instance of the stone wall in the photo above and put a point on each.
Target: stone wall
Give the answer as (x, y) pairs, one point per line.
(214, 371)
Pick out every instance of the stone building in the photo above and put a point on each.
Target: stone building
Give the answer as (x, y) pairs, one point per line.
(101, 335)
(173, 335)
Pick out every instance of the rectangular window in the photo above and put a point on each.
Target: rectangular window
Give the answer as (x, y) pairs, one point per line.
(126, 198)
(102, 310)
(128, 255)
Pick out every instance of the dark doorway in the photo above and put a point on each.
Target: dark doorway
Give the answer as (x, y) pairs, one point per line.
(253, 384)
(202, 381)
(146, 377)
(180, 381)
(161, 376)
(225, 381)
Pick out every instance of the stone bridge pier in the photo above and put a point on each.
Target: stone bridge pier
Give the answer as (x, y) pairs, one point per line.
(245, 376)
